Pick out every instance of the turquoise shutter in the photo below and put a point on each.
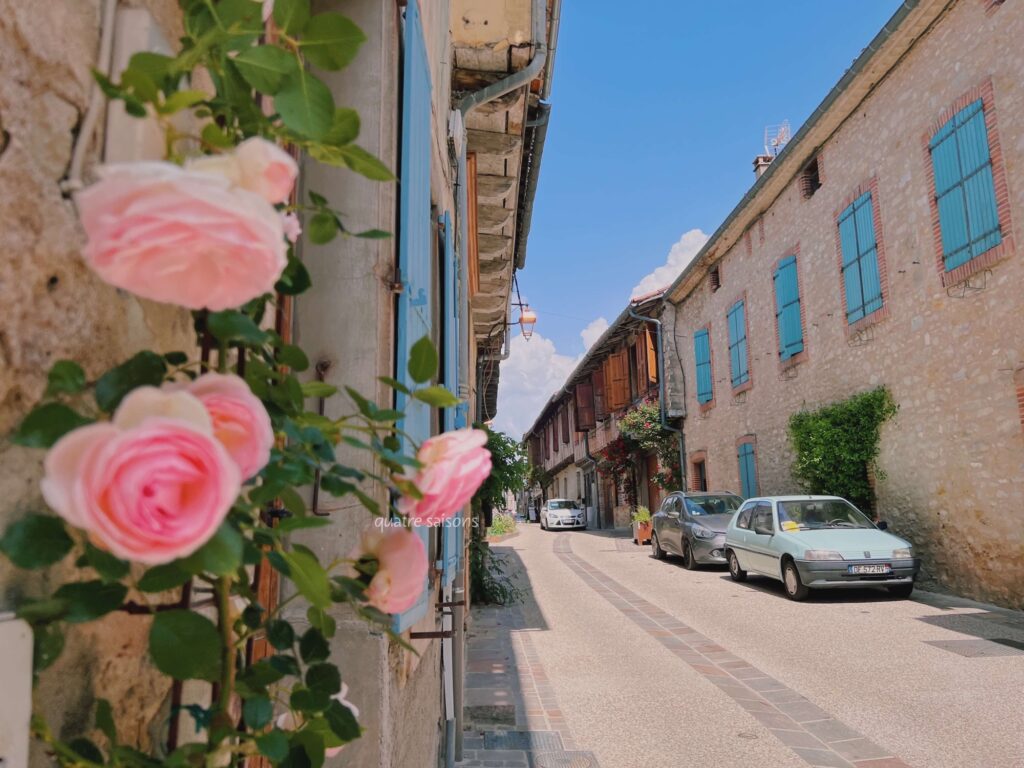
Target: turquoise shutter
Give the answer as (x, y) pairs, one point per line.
(748, 472)
(415, 251)
(787, 309)
(702, 355)
(451, 545)
(858, 242)
(740, 373)
(964, 187)
(851, 266)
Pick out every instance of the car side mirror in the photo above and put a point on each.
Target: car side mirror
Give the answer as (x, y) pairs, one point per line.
(882, 525)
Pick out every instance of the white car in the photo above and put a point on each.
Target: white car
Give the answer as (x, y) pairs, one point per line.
(562, 513)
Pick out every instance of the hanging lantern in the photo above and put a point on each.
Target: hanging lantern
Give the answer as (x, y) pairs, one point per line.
(527, 319)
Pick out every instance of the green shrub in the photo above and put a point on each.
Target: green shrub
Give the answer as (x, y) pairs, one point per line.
(642, 515)
(501, 524)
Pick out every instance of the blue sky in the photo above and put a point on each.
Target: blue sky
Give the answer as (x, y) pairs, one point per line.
(656, 117)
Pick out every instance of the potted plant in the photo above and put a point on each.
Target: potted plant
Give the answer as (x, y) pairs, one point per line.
(642, 525)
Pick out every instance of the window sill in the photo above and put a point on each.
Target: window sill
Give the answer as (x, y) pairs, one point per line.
(706, 407)
(988, 259)
(742, 387)
(793, 362)
(852, 329)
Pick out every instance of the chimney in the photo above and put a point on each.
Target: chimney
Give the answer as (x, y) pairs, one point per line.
(761, 163)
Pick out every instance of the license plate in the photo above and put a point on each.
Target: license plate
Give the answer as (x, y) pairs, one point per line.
(873, 569)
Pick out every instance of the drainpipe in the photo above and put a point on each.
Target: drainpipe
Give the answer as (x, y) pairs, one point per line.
(661, 395)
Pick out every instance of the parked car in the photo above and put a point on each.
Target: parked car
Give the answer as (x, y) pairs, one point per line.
(692, 525)
(562, 513)
(817, 542)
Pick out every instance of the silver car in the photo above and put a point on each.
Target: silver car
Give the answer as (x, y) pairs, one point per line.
(562, 513)
(692, 525)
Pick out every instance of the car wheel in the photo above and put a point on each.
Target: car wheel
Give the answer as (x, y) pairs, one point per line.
(688, 562)
(735, 572)
(543, 524)
(902, 591)
(795, 589)
(656, 551)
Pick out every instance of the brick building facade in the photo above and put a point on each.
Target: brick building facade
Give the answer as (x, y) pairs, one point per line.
(878, 249)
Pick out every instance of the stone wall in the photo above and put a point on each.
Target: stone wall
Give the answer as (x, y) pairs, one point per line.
(953, 457)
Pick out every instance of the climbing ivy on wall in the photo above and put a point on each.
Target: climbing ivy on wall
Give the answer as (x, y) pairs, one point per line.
(836, 445)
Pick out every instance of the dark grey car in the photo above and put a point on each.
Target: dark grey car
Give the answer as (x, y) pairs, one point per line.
(692, 525)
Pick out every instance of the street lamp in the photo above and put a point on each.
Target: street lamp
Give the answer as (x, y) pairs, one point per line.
(527, 319)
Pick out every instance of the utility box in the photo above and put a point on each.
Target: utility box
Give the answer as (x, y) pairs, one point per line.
(16, 700)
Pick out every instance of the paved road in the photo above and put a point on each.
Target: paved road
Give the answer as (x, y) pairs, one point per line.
(622, 661)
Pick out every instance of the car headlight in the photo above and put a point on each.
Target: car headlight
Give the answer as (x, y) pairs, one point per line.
(703, 533)
(822, 554)
(903, 553)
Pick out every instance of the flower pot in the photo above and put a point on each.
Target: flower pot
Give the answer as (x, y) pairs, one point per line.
(641, 533)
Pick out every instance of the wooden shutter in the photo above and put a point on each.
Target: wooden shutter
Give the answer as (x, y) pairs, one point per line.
(451, 542)
(643, 381)
(652, 357)
(547, 443)
(748, 470)
(415, 250)
(565, 423)
(554, 433)
(585, 411)
(600, 397)
(618, 378)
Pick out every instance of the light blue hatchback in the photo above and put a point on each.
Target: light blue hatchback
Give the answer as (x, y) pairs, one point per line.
(817, 542)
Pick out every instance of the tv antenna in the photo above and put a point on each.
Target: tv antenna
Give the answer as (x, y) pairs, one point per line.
(776, 137)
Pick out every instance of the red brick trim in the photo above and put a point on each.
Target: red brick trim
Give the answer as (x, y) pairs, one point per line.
(991, 6)
(871, 185)
(748, 438)
(1005, 249)
(760, 230)
(705, 407)
(749, 242)
(1018, 379)
(696, 458)
(749, 383)
(801, 356)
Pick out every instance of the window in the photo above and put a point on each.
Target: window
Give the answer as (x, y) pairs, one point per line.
(810, 179)
(702, 356)
(763, 517)
(715, 277)
(700, 476)
(565, 424)
(787, 309)
(748, 469)
(861, 278)
(964, 187)
(738, 362)
(746, 512)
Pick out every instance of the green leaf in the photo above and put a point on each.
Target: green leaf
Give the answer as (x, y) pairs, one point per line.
(291, 15)
(372, 234)
(318, 389)
(215, 137)
(221, 555)
(88, 600)
(343, 723)
(84, 748)
(160, 578)
(280, 634)
(394, 384)
(295, 279)
(48, 643)
(144, 369)
(65, 376)
(307, 750)
(285, 664)
(176, 358)
(185, 645)
(273, 745)
(292, 501)
(140, 84)
(422, 361)
(322, 621)
(439, 397)
(42, 610)
(323, 679)
(290, 524)
(313, 646)
(293, 357)
(257, 711)
(309, 576)
(323, 227)
(46, 424)
(181, 100)
(246, 14)
(231, 325)
(155, 66)
(305, 105)
(331, 40)
(364, 163)
(265, 67)
(344, 127)
(36, 541)
(317, 199)
(105, 721)
(307, 701)
(109, 567)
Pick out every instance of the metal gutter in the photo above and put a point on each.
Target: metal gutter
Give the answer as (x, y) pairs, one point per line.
(861, 62)
(531, 162)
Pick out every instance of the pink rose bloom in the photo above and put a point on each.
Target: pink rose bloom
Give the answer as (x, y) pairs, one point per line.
(256, 165)
(239, 419)
(151, 486)
(287, 721)
(401, 567)
(454, 466)
(181, 236)
(292, 227)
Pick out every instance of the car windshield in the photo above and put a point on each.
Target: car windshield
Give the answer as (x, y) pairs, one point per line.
(562, 504)
(712, 505)
(821, 513)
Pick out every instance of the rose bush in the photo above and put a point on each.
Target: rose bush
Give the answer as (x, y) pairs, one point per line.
(393, 563)
(453, 465)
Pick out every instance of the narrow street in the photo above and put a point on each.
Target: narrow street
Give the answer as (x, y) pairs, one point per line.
(616, 660)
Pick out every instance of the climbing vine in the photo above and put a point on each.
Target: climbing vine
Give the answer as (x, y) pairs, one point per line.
(642, 424)
(837, 445)
(615, 460)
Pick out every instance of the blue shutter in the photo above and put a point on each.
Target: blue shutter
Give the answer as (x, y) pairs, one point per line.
(415, 251)
(964, 187)
(451, 547)
(787, 309)
(738, 368)
(702, 356)
(859, 245)
(748, 472)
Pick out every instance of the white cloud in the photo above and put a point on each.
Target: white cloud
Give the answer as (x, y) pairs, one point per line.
(679, 256)
(593, 332)
(532, 373)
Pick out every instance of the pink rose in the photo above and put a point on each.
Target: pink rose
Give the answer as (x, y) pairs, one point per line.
(454, 465)
(287, 721)
(148, 488)
(181, 236)
(292, 227)
(239, 419)
(401, 567)
(256, 165)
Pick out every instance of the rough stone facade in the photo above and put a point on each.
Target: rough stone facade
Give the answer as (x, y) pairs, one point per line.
(952, 459)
